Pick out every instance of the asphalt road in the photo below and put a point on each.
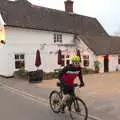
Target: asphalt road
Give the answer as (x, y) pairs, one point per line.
(19, 106)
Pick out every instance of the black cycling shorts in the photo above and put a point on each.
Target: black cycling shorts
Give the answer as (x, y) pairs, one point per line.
(68, 90)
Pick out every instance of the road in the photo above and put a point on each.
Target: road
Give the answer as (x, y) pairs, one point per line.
(101, 93)
(15, 105)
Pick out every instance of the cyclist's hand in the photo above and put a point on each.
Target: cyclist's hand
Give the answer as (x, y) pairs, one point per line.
(82, 84)
(75, 85)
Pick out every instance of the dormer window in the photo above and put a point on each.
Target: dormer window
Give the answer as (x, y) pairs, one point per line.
(57, 38)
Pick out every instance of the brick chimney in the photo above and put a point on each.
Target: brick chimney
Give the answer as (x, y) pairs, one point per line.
(68, 6)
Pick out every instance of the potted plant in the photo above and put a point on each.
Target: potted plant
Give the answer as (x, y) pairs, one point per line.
(97, 66)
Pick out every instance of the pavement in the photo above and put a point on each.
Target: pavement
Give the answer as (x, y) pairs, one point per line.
(101, 92)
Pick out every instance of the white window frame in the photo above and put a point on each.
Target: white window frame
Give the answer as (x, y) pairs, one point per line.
(86, 59)
(65, 59)
(19, 59)
(57, 38)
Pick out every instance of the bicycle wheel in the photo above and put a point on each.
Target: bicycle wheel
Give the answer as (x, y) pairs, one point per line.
(79, 110)
(55, 100)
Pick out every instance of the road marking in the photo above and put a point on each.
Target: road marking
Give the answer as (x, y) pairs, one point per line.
(93, 117)
(25, 94)
(34, 98)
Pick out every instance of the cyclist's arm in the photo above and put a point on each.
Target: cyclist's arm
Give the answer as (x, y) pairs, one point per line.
(61, 73)
(80, 75)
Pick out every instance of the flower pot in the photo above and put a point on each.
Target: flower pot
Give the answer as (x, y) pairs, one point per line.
(36, 76)
(97, 70)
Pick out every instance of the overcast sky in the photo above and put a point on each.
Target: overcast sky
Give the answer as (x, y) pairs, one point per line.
(106, 11)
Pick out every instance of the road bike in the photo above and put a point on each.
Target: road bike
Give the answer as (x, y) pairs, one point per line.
(75, 106)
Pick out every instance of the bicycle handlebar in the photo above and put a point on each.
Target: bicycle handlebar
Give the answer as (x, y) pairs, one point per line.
(74, 85)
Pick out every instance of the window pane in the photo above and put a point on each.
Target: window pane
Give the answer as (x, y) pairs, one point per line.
(22, 64)
(63, 63)
(67, 56)
(85, 57)
(16, 56)
(19, 64)
(22, 56)
(67, 62)
(55, 37)
(86, 63)
(60, 41)
(60, 36)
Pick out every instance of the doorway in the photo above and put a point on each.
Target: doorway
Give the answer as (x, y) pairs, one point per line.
(106, 63)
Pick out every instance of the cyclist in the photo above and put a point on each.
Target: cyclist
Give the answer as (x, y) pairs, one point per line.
(67, 76)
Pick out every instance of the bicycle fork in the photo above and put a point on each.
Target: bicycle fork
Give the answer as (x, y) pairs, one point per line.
(69, 103)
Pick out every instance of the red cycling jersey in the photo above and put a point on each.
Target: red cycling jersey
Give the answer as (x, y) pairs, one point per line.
(69, 73)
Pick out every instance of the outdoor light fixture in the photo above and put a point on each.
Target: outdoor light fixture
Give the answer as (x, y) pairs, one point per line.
(2, 31)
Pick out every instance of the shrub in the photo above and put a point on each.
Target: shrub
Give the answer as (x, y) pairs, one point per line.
(21, 73)
(97, 66)
(50, 75)
(53, 75)
(87, 71)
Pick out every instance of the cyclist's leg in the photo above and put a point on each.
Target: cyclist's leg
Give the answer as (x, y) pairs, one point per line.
(67, 92)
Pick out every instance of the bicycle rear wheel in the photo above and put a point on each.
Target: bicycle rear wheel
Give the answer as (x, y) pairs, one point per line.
(79, 110)
(55, 100)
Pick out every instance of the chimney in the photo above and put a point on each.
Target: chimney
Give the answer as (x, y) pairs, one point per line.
(68, 6)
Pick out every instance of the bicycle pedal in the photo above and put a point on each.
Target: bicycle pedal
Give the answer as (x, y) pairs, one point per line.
(61, 110)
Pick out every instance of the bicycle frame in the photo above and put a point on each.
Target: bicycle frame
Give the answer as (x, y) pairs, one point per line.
(69, 101)
(72, 104)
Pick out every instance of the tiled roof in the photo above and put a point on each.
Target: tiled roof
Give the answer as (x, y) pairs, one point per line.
(25, 15)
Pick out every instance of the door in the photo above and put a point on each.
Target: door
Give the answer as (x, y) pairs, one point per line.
(106, 63)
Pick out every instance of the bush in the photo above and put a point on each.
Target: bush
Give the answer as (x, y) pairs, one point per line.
(54, 75)
(87, 71)
(50, 75)
(21, 73)
(97, 66)
(57, 70)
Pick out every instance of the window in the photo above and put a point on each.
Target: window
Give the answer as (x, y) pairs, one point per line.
(86, 60)
(19, 61)
(118, 59)
(57, 38)
(65, 60)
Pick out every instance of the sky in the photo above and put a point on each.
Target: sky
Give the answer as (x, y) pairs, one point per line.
(107, 12)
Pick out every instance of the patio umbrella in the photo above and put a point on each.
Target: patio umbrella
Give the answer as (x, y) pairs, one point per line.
(59, 57)
(78, 53)
(38, 59)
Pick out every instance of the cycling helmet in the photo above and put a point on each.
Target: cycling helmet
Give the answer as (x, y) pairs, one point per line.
(75, 59)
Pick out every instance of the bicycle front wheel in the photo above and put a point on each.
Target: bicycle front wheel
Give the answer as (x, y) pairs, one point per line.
(55, 100)
(79, 110)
